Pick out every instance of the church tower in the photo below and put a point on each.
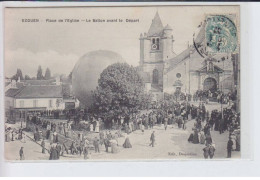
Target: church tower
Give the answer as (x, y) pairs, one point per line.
(155, 49)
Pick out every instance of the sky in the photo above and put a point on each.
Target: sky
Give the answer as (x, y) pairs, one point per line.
(60, 45)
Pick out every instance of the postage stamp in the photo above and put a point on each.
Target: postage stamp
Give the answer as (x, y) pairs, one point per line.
(221, 34)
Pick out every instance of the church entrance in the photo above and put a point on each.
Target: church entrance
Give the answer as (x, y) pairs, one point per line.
(210, 84)
(155, 76)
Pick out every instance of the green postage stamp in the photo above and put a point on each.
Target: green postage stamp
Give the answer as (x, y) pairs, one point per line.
(221, 34)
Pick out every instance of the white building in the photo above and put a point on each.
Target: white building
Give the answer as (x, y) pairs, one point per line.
(43, 96)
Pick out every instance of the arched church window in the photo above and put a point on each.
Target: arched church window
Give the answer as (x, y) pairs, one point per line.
(211, 67)
(155, 43)
(155, 76)
(158, 43)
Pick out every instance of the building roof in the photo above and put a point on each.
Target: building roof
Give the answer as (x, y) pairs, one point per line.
(38, 82)
(12, 92)
(7, 83)
(179, 58)
(48, 91)
(168, 27)
(156, 27)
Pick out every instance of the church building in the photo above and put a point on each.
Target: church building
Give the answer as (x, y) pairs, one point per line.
(164, 71)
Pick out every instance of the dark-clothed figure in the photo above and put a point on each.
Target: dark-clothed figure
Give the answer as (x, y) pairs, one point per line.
(152, 139)
(196, 137)
(43, 146)
(127, 143)
(229, 147)
(96, 144)
(106, 143)
(190, 139)
(58, 148)
(21, 154)
(53, 153)
(206, 152)
(211, 151)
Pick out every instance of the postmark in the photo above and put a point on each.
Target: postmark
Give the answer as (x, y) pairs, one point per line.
(221, 34)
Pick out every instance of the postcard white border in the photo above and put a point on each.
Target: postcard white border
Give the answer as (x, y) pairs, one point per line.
(248, 165)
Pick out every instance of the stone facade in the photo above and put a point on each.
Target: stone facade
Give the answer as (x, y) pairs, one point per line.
(164, 71)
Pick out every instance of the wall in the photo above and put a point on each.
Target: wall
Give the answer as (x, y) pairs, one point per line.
(150, 67)
(170, 78)
(9, 102)
(42, 102)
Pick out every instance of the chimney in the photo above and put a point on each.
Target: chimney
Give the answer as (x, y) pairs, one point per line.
(58, 80)
(13, 83)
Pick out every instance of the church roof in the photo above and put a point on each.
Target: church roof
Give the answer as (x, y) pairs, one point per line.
(168, 27)
(156, 27)
(179, 58)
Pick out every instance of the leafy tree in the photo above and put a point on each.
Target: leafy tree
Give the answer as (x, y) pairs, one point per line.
(26, 77)
(120, 91)
(70, 77)
(39, 73)
(18, 74)
(47, 74)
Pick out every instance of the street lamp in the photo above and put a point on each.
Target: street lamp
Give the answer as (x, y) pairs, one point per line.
(221, 99)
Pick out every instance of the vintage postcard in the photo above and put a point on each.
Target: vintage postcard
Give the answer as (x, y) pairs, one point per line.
(122, 83)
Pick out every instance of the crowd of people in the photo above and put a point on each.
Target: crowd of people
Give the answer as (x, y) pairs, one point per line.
(219, 96)
(228, 121)
(64, 138)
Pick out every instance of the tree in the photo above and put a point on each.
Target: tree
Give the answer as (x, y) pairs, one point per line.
(70, 77)
(26, 77)
(120, 90)
(18, 74)
(47, 74)
(39, 73)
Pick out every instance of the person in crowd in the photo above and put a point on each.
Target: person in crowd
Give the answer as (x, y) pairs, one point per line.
(208, 139)
(86, 153)
(152, 139)
(180, 122)
(190, 139)
(184, 124)
(238, 142)
(21, 153)
(202, 138)
(58, 148)
(127, 143)
(43, 146)
(229, 147)
(211, 151)
(53, 152)
(96, 144)
(106, 143)
(97, 125)
(165, 122)
(73, 148)
(101, 137)
(196, 136)
(114, 146)
(64, 149)
(91, 127)
(206, 151)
